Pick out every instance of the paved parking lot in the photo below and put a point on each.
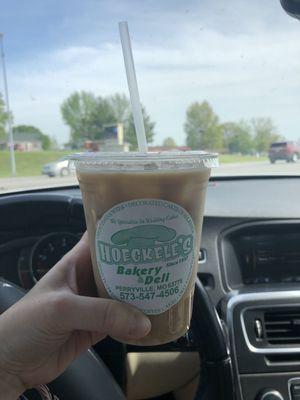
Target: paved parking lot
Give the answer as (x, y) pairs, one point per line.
(242, 169)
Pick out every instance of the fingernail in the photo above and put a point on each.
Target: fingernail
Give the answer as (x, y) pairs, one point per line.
(141, 326)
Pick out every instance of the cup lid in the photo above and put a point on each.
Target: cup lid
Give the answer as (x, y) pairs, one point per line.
(145, 161)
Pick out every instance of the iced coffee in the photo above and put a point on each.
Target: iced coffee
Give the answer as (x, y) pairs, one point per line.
(144, 217)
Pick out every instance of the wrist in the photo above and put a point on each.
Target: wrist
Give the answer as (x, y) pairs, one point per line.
(11, 387)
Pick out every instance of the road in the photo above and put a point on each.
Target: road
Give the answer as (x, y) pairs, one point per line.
(258, 168)
(241, 169)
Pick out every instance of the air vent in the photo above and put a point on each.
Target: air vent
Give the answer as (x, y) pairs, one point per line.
(282, 327)
(279, 359)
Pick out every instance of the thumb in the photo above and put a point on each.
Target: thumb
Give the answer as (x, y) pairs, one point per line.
(108, 317)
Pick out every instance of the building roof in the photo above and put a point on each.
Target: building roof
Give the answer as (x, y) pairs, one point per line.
(26, 137)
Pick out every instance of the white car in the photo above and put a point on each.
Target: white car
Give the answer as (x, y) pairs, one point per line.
(61, 167)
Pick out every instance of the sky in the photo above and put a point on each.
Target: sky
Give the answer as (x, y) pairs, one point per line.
(241, 56)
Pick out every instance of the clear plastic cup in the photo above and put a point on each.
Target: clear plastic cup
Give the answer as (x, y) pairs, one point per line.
(144, 217)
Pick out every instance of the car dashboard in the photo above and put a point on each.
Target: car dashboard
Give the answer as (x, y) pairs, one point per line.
(249, 263)
(35, 232)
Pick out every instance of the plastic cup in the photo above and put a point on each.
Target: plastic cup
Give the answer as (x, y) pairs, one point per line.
(144, 215)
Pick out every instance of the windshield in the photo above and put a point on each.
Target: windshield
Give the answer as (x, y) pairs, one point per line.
(213, 75)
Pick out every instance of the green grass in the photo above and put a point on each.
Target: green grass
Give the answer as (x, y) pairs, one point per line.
(28, 164)
(236, 158)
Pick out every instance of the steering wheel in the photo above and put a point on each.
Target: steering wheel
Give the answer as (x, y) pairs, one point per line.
(88, 378)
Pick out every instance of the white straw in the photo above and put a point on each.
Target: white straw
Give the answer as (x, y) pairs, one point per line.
(133, 87)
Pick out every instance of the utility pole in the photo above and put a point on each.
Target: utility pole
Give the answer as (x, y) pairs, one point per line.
(10, 133)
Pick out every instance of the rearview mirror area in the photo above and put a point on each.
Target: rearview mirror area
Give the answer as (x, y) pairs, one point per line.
(292, 7)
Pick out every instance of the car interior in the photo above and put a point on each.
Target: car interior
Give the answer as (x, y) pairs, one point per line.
(244, 338)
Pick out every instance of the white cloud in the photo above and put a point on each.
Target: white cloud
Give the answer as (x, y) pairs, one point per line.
(251, 73)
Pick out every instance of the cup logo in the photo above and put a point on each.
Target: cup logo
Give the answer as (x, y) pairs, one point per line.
(142, 262)
(144, 244)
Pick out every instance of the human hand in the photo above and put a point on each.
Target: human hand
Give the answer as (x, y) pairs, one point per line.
(56, 321)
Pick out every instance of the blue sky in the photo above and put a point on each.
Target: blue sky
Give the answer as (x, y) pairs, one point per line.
(243, 57)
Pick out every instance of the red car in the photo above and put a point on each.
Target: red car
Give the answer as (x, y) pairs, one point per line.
(289, 151)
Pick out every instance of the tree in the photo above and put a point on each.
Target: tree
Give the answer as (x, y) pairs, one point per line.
(3, 120)
(53, 143)
(76, 112)
(265, 132)
(237, 137)
(202, 127)
(120, 106)
(35, 132)
(169, 142)
(85, 114)
(130, 135)
(101, 115)
(46, 142)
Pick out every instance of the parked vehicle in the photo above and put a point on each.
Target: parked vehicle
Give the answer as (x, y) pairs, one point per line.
(289, 151)
(60, 167)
